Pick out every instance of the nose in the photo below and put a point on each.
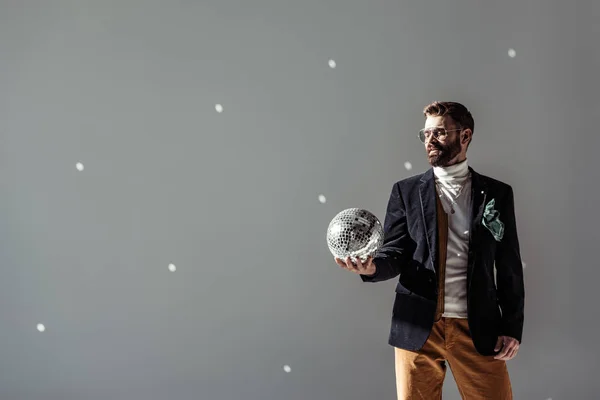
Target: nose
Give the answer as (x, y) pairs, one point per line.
(431, 140)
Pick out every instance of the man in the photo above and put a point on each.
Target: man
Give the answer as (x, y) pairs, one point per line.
(451, 237)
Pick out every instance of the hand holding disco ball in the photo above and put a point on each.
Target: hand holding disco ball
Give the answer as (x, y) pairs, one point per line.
(367, 268)
(353, 237)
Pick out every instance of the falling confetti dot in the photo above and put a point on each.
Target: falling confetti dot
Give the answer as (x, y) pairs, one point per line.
(408, 165)
(332, 64)
(79, 166)
(512, 53)
(219, 108)
(172, 267)
(287, 368)
(41, 327)
(322, 199)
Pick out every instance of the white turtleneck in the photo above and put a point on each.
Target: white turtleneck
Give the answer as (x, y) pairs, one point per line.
(448, 181)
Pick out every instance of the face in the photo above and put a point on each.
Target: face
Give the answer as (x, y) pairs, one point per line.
(443, 153)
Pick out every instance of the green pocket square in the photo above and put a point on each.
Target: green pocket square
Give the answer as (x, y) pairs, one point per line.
(491, 220)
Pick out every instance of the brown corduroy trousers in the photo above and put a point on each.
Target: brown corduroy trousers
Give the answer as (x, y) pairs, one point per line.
(420, 374)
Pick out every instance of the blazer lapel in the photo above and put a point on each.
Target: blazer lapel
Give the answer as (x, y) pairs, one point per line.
(428, 201)
(479, 191)
(427, 195)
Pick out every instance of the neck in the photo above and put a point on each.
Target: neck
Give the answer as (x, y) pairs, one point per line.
(454, 171)
(459, 159)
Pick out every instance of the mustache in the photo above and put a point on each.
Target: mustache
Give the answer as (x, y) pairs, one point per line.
(432, 147)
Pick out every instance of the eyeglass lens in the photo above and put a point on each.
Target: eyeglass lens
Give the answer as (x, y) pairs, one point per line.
(427, 133)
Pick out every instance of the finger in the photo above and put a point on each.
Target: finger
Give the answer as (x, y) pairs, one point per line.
(342, 264)
(502, 353)
(513, 353)
(499, 344)
(508, 351)
(359, 264)
(363, 266)
(509, 356)
(350, 265)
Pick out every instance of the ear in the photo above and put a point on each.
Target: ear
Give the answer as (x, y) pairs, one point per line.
(466, 136)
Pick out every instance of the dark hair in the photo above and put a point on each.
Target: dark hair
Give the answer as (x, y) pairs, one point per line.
(459, 113)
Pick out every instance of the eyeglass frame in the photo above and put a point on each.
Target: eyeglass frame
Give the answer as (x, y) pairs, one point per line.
(437, 136)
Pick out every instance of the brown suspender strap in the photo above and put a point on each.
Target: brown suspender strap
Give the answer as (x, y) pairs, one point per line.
(442, 219)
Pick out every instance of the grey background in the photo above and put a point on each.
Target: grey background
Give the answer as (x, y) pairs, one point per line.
(129, 89)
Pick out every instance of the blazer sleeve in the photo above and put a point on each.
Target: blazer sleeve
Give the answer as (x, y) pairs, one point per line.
(398, 247)
(509, 273)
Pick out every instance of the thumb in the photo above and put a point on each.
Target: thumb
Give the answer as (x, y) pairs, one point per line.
(498, 344)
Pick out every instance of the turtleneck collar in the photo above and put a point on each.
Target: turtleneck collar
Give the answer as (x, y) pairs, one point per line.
(454, 172)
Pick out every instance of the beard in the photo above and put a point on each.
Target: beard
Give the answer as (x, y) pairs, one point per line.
(445, 153)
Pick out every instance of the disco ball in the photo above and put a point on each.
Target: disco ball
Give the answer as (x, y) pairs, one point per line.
(354, 233)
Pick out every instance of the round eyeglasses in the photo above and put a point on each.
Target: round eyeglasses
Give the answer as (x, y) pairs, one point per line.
(439, 133)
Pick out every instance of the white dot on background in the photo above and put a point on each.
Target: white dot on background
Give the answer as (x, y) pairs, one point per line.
(322, 199)
(79, 166)
(512, 53)
(524, 265)
(408, 165)
(41, 327)
(332, 64)
(287, 368)
(219, 108)
(172, 267)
